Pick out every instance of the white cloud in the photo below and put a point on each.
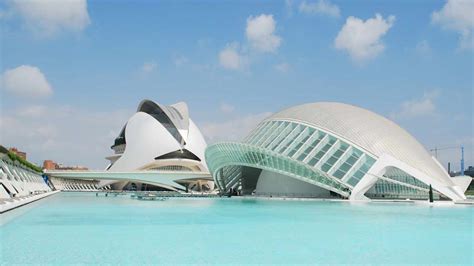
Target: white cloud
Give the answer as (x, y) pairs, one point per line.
(33, 111)
(50, 17)
(232, 129)
(260, 33)
(26, 81)
(322, 7)
(149, 67)
(230, 58)
(458, 16)
(66, 134)
(282, 67)
(425, 106)
(361, 39)
(226, 108)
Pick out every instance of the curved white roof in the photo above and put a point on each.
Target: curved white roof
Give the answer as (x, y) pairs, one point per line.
(368, 130)
(178, 114)
(147, 137)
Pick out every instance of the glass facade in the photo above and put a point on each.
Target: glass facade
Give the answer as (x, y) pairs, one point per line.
(318, 149)
(309, 154)
(397, 184)
(227, 159)
(297, 147)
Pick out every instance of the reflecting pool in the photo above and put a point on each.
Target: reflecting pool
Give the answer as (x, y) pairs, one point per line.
(82, 228)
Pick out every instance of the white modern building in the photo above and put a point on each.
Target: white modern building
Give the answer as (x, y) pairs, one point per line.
(327, 150)
(18, 180)
(160, 148)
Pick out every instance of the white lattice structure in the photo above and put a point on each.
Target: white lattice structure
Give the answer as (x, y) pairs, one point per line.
(345, 149)
(17, 180)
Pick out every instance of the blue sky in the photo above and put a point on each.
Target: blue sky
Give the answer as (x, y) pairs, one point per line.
(233, 62)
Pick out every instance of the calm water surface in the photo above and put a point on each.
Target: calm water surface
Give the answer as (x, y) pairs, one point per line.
(82, 228)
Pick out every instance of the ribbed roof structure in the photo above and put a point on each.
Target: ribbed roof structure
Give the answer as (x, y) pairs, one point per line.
(374, 133)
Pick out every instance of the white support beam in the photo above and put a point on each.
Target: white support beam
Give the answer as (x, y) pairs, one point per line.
(321, 144)
(286, 139)
(269, 146)
(335, 146)
(340, 161)
(354, 168)
(313, 137)
(296, 141)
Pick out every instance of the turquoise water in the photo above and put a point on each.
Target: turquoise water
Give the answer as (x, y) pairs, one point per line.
(82, 228)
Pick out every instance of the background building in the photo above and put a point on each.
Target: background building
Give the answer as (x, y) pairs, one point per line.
(163, 139)
(14, 150)
(52, 165)
(329, 150)
(49, 165)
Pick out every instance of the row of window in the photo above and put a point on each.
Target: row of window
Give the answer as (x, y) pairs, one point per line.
(172, 168)
(313, 147)
(385, 189)
(242, 154)
(400, 176)
(67, 184)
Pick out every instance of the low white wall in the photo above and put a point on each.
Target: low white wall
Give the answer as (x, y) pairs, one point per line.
(271, 183)
(9, 204)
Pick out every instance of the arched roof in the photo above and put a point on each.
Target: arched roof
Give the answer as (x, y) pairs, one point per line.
(174, 117)
(368, 130)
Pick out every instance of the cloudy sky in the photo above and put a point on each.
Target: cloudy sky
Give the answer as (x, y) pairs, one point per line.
(72, 72)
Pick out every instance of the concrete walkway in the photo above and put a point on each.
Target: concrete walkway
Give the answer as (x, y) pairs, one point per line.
(10, 204)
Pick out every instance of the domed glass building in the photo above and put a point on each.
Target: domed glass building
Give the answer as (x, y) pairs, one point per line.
(330, 150)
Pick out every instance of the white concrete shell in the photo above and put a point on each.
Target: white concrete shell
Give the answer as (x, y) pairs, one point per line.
(146, 140)
(373, 133)
(379, 137)
(323, 136)
(158, 137)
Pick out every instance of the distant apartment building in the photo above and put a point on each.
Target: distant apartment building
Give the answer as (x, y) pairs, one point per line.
(14, 150)
(52, 165)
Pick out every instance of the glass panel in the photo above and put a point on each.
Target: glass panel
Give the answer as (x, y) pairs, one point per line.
(339, 174)
(290, 138)
(333, 159)
(357, 176)
(256, 133)
(302, 141)
(321, 153)
(272, 133)
(281, 136)
(262, 132)
(311, 146)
